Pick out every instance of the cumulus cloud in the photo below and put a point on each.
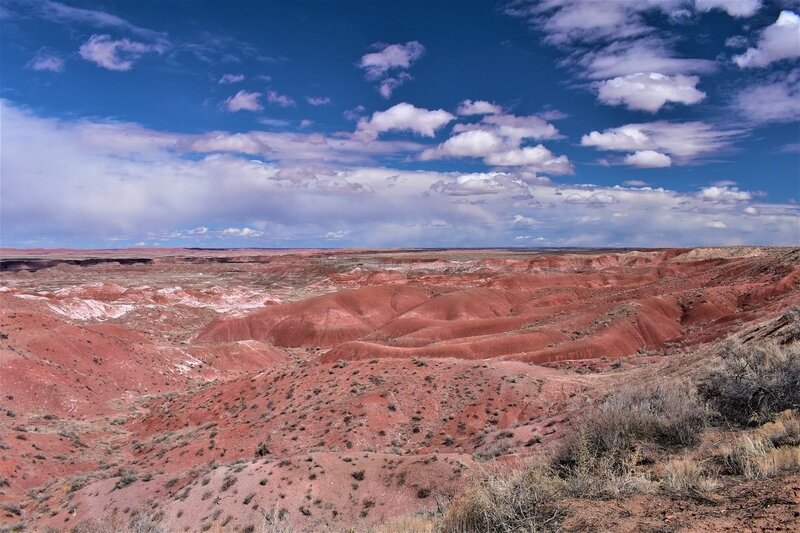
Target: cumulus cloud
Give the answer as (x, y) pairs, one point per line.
(241, 232)
(778, 41)
(59, 174)
(650, 91)
(478, 107)
(231, 78)
(45, 60)
(522, 127)
(273, 97)
(613, 41)
(537, 157)
(600, 198)
(119, 54)
(775, 100)
(403, 117)
(648, 159)
(682, 141)
(724, 194)
(481, 183)
(318, 100)
(472, 143)
(389, 65)
(498, 138)
(244, 101)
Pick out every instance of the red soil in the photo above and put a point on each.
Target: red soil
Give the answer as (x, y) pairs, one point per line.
(291, 373)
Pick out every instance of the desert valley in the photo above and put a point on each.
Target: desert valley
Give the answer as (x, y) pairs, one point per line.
(319, 390)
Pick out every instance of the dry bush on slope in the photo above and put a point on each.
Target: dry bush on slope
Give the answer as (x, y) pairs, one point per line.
(753, 382)
(139, 523)
(771, 449)
(600, 459)
(523, 500)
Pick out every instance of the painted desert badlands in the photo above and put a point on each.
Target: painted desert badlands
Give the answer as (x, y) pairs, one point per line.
(257, 390)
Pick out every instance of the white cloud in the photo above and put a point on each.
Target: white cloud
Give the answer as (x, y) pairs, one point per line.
(683, 141)
(117, 55)
(643, 55)
(241, 232)
(403, 117)
(498, 138)
(478, 107)
(337, 235)
(778, 41)
(318, 100)
(273, 97)
(536, 158)
(354, 114)
(774, 100)
(231, 78)
(391, 57)
(478, 184)
(724, 194)
(716, 224)
(648, 159)
(649, 91)
(635, 183)
(389, 65)
(735, 8)
(294, 189)
(44, 60)
(388, 85)
(473, 143)
(522, 127)
(244, 101)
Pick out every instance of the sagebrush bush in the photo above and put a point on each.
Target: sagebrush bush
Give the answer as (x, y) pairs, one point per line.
(600, 458)
(667, 414)
(508, 502)
(754, 382)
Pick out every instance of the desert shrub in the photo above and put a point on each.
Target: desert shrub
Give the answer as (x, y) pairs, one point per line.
(600, 458)
(687, 477)
(771, 449)
(753, 382)
(274, 522)
(138, 523)
(509, 501)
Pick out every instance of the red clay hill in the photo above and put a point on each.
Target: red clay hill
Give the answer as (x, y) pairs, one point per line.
(328, 389)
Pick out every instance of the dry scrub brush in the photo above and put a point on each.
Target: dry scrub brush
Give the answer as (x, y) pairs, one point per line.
(522, 500)
(601, 457)
(767, 451)
(753, 382)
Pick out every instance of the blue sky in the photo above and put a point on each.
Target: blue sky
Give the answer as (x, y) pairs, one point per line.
(305, 124)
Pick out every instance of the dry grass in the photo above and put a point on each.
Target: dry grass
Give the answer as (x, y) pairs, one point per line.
(753, 382)
(407, 524)
(509, 501)
(687, 477)
(767, 451)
